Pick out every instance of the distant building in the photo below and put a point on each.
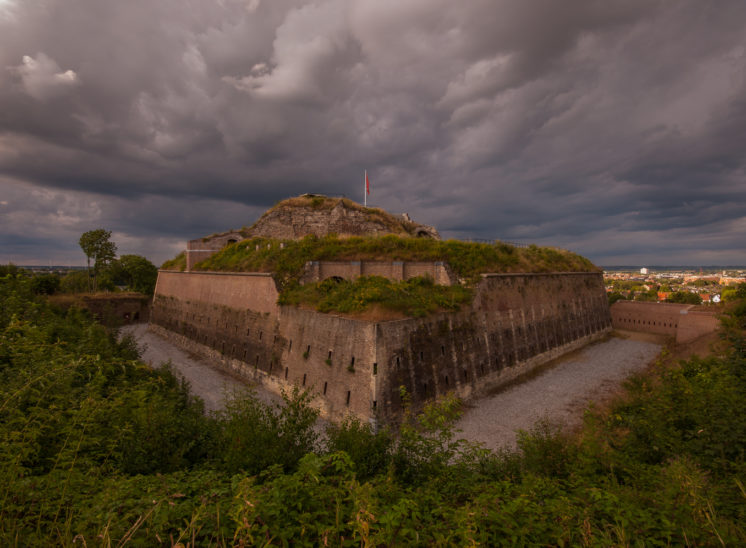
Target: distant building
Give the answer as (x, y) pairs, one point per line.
(643, 270)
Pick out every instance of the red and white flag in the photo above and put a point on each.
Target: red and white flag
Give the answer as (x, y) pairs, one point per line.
(367, 189)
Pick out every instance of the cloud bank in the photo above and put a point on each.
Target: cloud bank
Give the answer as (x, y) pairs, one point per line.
(612, 128)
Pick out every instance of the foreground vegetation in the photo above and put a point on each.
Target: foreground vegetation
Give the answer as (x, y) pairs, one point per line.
(97, 449)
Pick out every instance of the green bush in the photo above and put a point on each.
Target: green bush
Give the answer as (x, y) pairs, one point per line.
(253, 436)
(368, 450)
(545, 450)
(45, 284)
(75, 282)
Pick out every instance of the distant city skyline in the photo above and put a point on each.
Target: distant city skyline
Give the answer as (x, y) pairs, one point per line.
(613, 129)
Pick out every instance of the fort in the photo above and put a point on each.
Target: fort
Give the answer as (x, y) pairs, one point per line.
(368, 365)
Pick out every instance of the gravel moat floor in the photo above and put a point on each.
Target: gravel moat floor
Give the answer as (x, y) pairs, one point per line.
(208, 382)
(559, 392)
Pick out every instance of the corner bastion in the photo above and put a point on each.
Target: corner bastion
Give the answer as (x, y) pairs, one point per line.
(516, 323)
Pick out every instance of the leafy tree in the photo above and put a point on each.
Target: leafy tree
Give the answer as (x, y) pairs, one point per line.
(741, 291)
(651, 295)
(10, 270)
(684, 297)
(97, 246)
(136, 272)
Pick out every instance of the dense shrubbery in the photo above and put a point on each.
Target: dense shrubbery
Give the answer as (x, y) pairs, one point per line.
(97, 449)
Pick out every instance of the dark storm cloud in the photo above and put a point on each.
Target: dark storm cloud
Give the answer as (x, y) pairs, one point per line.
(611, 128)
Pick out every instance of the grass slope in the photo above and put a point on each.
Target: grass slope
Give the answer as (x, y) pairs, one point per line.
(177, 263)
(286, 259)
(467, 259)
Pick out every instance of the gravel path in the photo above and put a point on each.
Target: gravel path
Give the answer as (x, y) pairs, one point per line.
(210, 384)
(560, 393)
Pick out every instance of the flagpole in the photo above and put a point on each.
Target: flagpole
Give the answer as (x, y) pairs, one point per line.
(365, 189)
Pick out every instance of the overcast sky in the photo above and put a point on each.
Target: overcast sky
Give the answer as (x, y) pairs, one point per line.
(616, 129)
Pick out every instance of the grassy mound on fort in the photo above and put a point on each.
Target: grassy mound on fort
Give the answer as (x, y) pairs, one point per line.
(286, 260)
(177, 263)
(468, 260)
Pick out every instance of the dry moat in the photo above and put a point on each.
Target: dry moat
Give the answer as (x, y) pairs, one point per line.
(560, 392)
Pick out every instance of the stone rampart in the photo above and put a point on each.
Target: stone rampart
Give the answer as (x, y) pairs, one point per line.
(515, 323)
(111, 309)
(253, 291)
(316, 271)
(680, 321)
(659, 318)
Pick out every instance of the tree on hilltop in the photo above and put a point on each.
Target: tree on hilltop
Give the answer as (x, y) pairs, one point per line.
(136, 272)
(97, 246)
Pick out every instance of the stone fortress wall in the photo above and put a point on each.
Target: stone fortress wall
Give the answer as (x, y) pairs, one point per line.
(684, 322)
(439, 271)
(516, 323)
